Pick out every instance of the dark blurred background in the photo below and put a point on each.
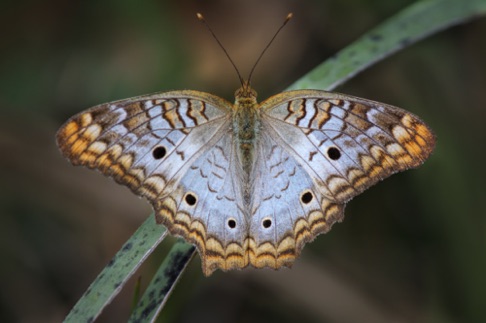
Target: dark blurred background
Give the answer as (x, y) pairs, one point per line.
(412, 249)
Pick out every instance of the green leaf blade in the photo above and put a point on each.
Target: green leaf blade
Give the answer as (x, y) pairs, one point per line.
(412, 24)
(120, 268)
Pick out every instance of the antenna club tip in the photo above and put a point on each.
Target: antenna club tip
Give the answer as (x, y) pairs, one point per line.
(289, 16)
(199, 16)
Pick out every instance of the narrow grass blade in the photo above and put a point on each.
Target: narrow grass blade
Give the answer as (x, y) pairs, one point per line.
(110, 281)
(163, 282)
(410, 25)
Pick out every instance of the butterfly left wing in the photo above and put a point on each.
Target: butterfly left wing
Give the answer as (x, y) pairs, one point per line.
(177, 150)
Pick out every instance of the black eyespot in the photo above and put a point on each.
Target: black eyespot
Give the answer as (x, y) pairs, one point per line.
(231, 223)
(306, 197)
(190, 199)
(267, 223)
(334, 153)
(159, 152)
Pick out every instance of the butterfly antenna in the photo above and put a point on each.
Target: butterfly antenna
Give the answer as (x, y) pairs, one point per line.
(201, 18)
(289, 16)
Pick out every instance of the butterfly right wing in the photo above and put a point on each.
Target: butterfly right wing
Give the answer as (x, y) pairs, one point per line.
(319, 150)
(146, 143)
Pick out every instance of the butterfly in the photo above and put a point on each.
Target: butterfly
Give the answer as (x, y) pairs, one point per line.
(248, 183)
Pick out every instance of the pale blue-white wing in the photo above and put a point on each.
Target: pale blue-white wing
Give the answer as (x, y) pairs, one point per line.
(317, 151)
(176, 150)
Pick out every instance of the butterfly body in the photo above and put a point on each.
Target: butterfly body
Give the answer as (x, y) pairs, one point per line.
(248, 183)
(246, 129)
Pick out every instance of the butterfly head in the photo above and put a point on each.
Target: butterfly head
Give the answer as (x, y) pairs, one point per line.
(245, 92)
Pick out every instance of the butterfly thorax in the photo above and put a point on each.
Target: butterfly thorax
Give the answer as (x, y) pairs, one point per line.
(246, 128)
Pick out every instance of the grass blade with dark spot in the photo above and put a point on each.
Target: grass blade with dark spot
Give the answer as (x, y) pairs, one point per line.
(163, 282)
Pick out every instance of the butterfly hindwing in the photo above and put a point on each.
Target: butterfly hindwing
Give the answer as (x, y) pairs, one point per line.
(207, 208)
(287, 208)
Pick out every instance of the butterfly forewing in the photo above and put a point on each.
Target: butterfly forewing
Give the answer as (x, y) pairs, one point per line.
(345, 143)
(146, 142)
